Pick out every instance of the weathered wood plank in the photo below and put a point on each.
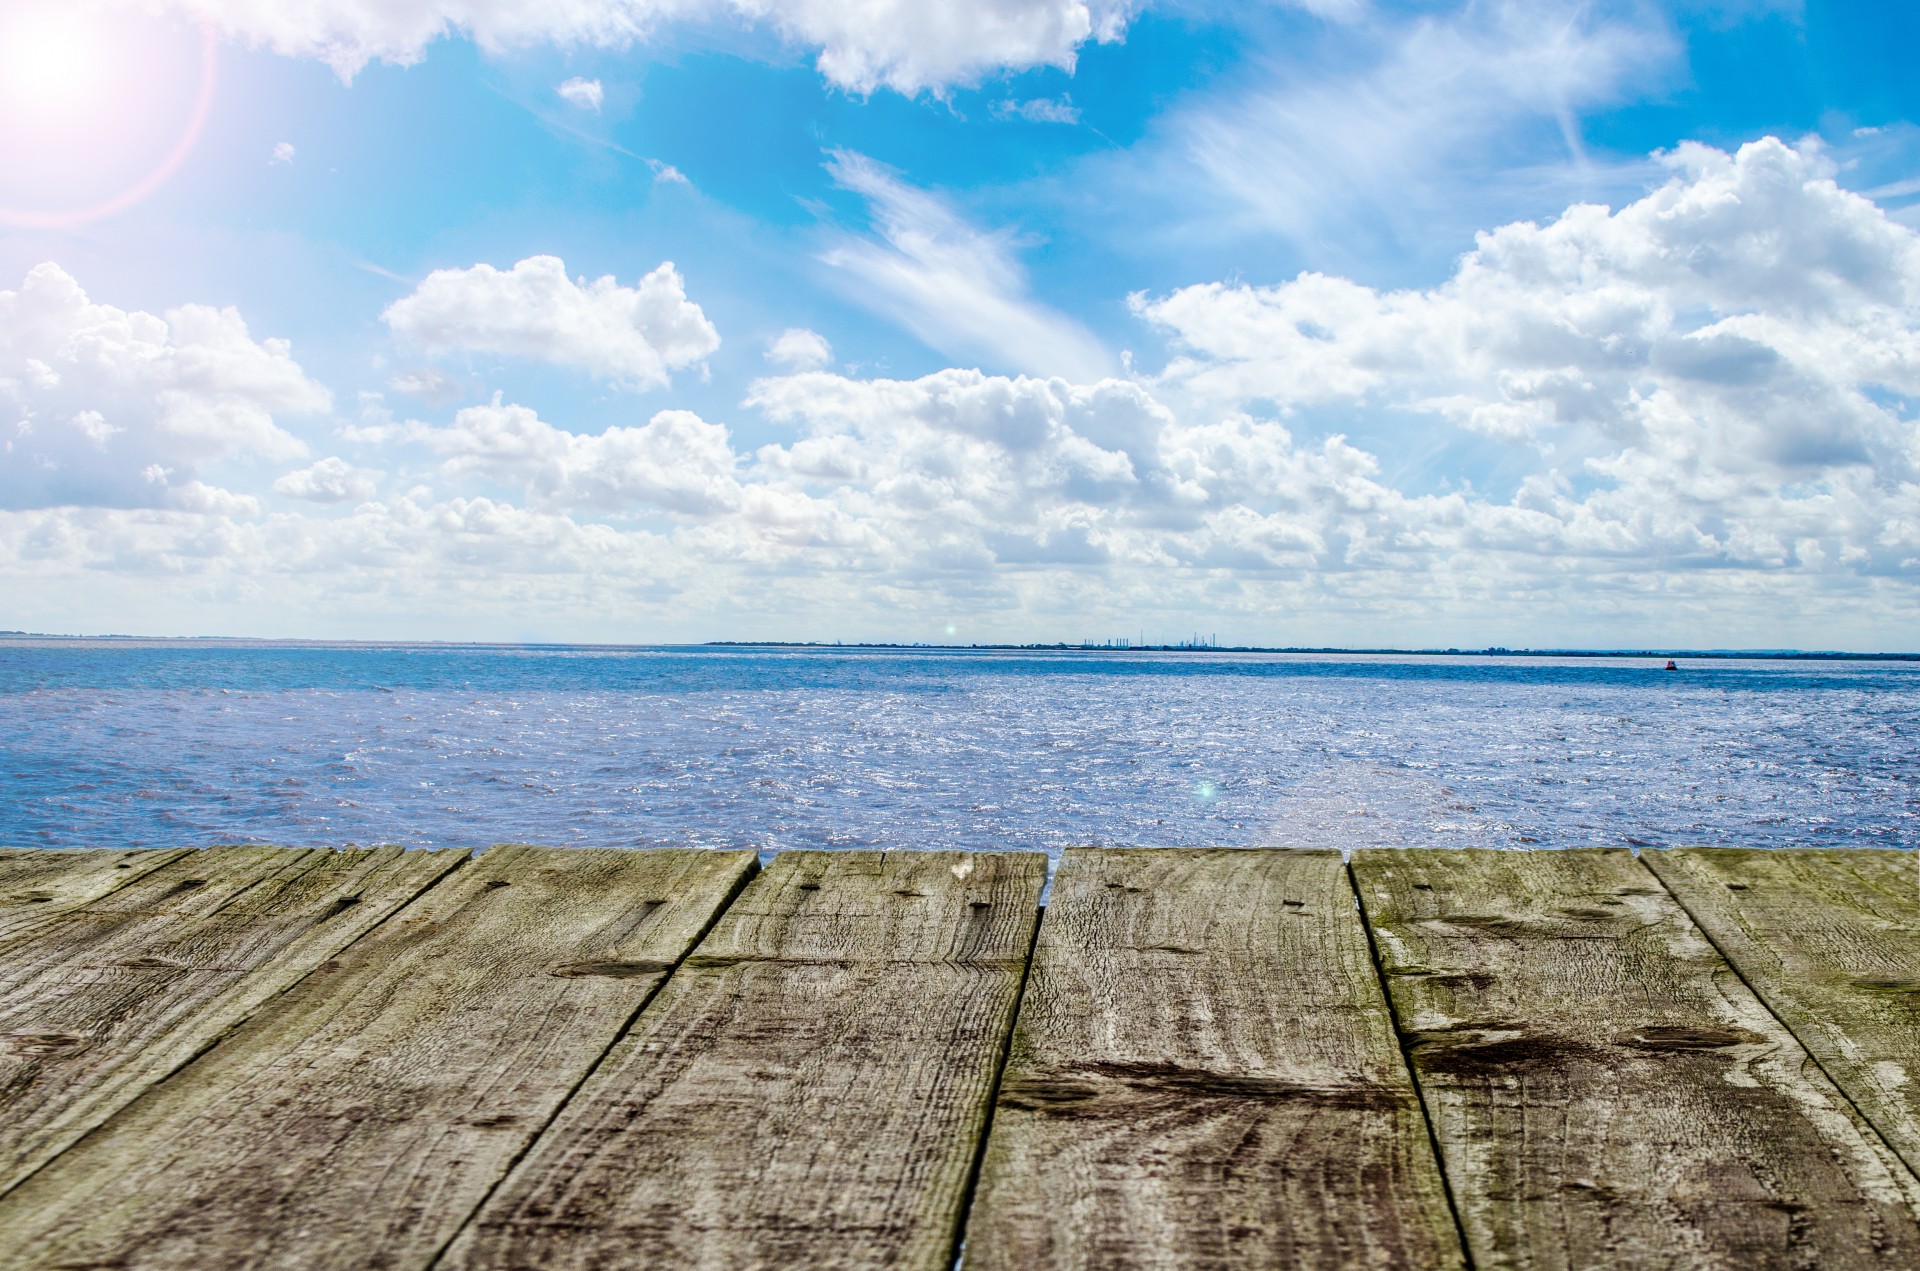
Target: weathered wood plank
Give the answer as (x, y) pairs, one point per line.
(807, 1090)
(111, 997)
(36, 883)
(1605, 1091)
(359, 1119)
(1831, 941)
(1204, 1074)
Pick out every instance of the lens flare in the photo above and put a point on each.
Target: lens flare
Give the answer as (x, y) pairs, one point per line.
(46, 61)
(69, 90)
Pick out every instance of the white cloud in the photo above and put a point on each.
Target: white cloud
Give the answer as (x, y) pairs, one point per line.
(906, 45)
(384, 564)
(958, 288)
(911, 45)
(798, 349)
(584, 93)
(667, 173)
(675, 462)
(1719, 373)
(99, 405)
(1039, 110)
(331, 480)
(960, 470)
(282, 153)
(635, 336)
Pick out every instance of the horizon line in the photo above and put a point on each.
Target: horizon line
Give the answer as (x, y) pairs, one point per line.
(1655, 652)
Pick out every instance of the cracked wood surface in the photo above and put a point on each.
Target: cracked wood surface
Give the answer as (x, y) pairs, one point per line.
(809, 1089)
(1604, 1090)
(1831, 941)
(1204, 1074)
(360, 1120)
(105, 999)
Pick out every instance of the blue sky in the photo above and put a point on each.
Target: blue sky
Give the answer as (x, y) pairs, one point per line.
(1329, 322)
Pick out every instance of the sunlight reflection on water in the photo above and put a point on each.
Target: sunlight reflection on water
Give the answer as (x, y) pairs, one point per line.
(108, 745)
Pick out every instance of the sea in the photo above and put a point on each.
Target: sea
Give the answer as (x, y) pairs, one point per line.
(148, 743)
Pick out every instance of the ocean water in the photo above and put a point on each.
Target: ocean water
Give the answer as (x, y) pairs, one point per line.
(137, 744)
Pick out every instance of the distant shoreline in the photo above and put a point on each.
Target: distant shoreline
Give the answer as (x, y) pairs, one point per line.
(1495, 651)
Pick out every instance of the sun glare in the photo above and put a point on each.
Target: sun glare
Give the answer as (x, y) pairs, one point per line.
(96, 110)
(50, 60)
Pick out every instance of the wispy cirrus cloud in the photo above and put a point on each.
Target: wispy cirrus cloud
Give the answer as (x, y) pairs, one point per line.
(957, 287)
(1411, 134)
(1039, 110)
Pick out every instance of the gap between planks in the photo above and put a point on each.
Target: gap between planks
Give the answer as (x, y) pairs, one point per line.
(1604, 1090)
(1856, 1001)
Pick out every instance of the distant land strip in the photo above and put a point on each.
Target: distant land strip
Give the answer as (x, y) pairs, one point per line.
(1058, 646)
(1773, 655)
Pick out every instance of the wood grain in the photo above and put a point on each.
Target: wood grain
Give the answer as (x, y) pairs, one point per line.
(808, 1089)
(38, 883)
(1831, 941)
(360, 1118)
(1605, 1091)
(1204, 1074)
(106, 999)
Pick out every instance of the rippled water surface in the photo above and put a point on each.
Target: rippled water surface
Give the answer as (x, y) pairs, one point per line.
(141, 744)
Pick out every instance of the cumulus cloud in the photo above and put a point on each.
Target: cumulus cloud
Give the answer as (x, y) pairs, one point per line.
(798, 349)
(955, 286)
(634, 336)
(331, 480)
(102, 406)
(958, 473)
(913, 45)
(282, 154)
(1720, 372)
(962, 472)
(910, 46)
(584, 93)
(675, 462)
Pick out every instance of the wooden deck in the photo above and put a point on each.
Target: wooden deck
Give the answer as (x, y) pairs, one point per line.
(547, 1058)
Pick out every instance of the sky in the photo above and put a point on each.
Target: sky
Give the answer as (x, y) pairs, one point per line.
(1295, 322)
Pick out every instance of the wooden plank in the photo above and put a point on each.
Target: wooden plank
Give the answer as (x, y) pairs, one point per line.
(37, 883)
(1604, 1090)
(1205, 1074)
(809, 1088)
(359, 1120)
(1831, 941)
(112, 997)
